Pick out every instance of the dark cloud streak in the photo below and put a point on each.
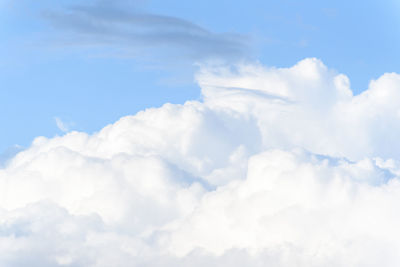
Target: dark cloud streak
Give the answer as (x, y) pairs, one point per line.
(111, 26)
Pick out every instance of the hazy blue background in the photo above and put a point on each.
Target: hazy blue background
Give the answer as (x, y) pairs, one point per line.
(84, 64)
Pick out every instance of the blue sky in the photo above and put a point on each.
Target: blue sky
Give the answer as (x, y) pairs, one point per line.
(275, 160)
(88, 63)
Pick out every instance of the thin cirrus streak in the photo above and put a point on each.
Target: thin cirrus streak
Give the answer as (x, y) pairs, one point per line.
(63, 126)
(109, 25)
(236, 179)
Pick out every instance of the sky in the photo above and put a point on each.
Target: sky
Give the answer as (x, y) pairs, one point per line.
(59, 66)
(166, 133)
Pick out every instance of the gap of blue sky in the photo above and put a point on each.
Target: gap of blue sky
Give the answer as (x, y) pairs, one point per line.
(48, 71)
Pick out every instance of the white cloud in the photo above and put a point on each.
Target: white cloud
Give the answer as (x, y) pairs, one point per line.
(312, 107)
(280, 167)
(63, 126)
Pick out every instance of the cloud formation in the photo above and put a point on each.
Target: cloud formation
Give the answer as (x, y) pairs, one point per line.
(62, 125)
(275, 166)
(110, 25)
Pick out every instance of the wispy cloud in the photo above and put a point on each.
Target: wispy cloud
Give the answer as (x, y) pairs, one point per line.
(113, 26)
(62, 125)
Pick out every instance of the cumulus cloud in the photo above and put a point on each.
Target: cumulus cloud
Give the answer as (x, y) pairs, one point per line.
(275, 166)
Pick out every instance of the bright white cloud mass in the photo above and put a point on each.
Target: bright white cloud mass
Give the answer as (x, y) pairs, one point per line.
(274, 167)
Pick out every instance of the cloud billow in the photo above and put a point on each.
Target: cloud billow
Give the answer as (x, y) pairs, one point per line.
(275, 166)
